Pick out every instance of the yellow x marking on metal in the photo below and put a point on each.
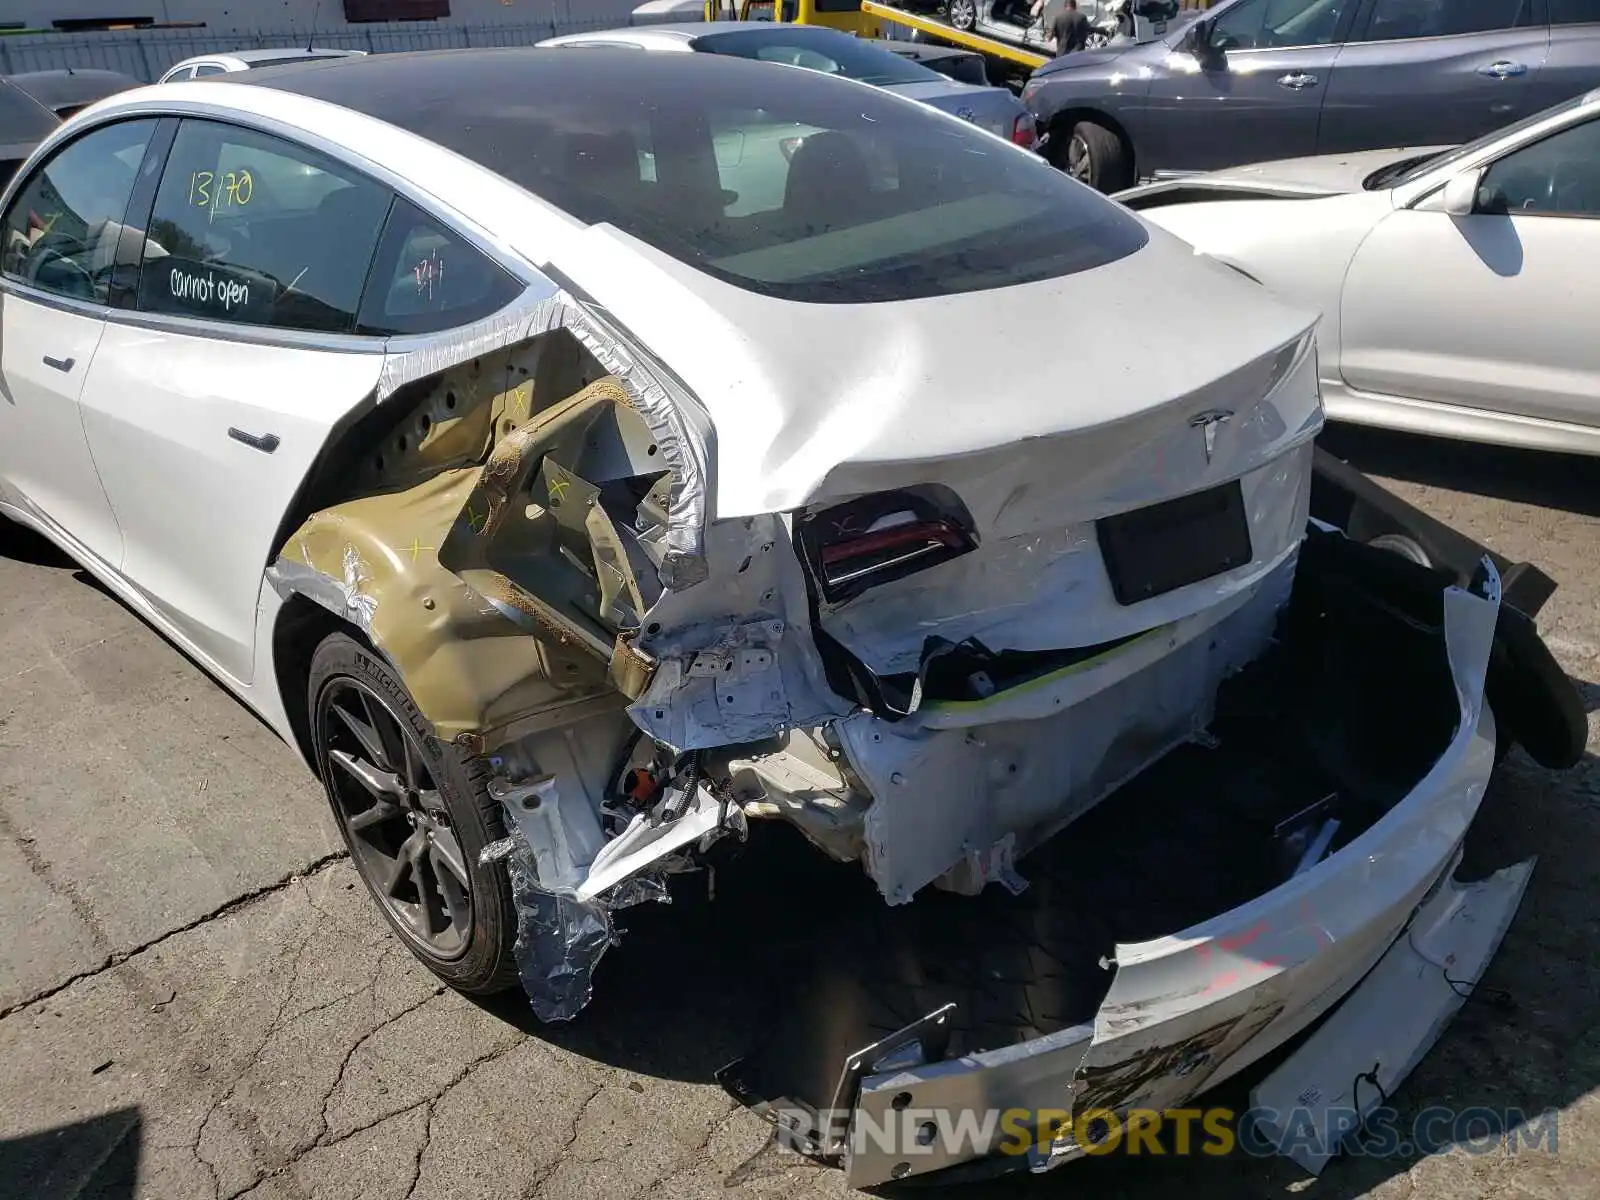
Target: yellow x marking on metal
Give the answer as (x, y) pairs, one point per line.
(417, 548)
(522, 396)
(476, 519)
(558, 489)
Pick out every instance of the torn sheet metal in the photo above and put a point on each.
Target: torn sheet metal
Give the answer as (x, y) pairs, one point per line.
(374, 560)
(735, 662)
(557, 823)
(682, 429)
(1321, 1095)
(646, 844)
(560, 938)
(350, 596)
(944, 795)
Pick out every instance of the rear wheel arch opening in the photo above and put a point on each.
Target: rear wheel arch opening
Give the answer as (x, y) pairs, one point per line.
(303, 625)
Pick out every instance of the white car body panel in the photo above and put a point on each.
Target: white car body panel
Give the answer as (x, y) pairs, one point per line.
(200, 510)
(44, 456)
(1321, 175)
(1470, 327)
(1267, 240)
(1399, 1011)
(896, 388)
(243, 60)
(1487, 313)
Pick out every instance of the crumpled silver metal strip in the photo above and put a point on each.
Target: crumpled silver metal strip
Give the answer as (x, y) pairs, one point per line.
(680, 427)
(342, 597)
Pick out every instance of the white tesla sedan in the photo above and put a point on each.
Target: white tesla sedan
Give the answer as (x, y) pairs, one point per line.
(1454, 284)
(582, 457)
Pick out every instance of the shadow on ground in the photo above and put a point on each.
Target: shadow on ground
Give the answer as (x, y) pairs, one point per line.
(96, 1159)
(25, 546)
(1536, 477)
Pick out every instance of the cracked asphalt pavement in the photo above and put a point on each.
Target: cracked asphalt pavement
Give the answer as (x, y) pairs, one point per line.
(198, 999)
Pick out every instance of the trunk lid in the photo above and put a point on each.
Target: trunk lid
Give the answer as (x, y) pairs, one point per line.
(994, 109)
(1057, 383)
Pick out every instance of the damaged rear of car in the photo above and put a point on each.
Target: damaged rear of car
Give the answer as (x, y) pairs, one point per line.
(767, 500)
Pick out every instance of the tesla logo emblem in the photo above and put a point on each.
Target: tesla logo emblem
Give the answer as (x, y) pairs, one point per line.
(966, 114)
(1207, 423)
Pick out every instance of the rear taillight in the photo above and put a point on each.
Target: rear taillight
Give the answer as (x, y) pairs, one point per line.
(885, 536)
(1024, 132)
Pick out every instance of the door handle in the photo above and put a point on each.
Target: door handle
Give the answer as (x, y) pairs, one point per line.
(1296, 80)
(60, 364)
(264, 442)
(1503, 69)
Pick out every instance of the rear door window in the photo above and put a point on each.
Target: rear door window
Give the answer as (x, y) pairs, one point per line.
(428, 278)
(1575, 12)
(252, 229)
(1396, 20)
(1278, 24)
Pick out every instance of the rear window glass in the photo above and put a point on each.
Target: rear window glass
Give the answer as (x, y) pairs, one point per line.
(825, 50)
(787, 183)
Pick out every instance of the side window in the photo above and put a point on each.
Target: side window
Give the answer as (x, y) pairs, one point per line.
(1278, 24)
(64, 225)
(205, 69)
(177, 76)
(426, 278)
(1394, 20)
(1575, 12)
(1559, 176)
(252, 229)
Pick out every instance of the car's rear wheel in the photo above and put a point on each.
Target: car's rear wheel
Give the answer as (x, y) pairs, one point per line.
(415, 814)
(1096, 156)
(963, 14)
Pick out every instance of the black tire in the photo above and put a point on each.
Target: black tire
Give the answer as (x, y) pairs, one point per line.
(486, 964)
(963, 14)
(1108, 167)
(1534, 702)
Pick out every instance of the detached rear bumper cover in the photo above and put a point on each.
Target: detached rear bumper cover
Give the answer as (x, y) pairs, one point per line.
(1186, 1011)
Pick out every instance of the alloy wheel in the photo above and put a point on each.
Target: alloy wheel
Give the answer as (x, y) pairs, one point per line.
(963, 14)
(394, 818)
(1079, 163)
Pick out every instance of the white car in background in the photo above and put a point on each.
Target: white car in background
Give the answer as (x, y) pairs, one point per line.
(202, 66)
(1457, 287)
(583, 480)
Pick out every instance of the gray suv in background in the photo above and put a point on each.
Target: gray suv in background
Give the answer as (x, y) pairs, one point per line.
(1254, 80)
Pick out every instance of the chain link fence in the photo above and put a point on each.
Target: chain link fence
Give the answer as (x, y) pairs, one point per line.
(146, 53)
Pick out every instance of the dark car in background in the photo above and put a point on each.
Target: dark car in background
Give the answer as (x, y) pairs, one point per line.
(72, 89)
(1255, 80)
(24, 123)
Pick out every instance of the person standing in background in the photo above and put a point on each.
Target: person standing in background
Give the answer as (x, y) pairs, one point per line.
(1070, 29)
